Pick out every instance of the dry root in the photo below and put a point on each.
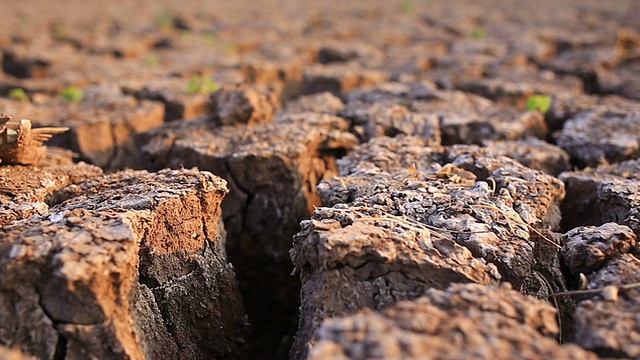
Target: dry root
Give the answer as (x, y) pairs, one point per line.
(22, 145)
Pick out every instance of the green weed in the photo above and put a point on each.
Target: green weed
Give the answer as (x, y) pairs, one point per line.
(72, 94)
(199, 84)
(151, 60)
(18, 94)
(478, 33)
(408, 7)
(541, 103)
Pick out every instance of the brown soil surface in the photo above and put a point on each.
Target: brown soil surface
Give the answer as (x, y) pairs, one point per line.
(344, 179)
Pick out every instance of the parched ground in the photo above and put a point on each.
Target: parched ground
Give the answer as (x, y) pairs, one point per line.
(337, 179)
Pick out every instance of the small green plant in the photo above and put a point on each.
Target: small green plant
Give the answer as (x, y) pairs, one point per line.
(541, 103)
(408, 7)
(151, 60)
(209, 39)
(199, 84)
(72, 94)
(478, 33)
(18, 94)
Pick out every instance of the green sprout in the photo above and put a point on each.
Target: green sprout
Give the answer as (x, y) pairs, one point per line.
(151, 60)
(18, 94)
(408, 6)
(478, 33)
(541, 103)
(209, 39)
(199, 84)
(72, 94)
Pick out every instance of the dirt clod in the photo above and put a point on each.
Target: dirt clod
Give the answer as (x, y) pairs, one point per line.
(460, 322)
(114, 268)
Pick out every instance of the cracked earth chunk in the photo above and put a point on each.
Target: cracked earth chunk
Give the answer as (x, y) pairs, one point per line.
(471, 119)
(351, 258)
(606, 194)
(260, 70)
(481, 206)
(272, 170)
(21, 65)
(388, 154)
(240, 104)
(298, 149)
(532, 153)
(392, 93)
(462, 118)
(391, 120)
(25, 191)
(513, 86)
(337, 78)
(587, 249)
(536, 195)
(601, 135)
(611, 328)
(465, 321)
(324, 103)
(621, 81)
(360, 52)
(100, 127)
(173, 93)
(114, 268)
(278, 65)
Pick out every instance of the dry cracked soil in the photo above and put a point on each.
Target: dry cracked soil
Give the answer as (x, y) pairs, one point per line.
(319, 180)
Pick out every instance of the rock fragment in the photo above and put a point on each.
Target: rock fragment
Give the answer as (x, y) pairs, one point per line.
(512, 86)
(324, 102)
(601, 135)
(605, 194)
(356, 257)
(23, 66)
(114, 268)
(239, 104)
(349, 51)
(461, 117)
(620, 80)
(531, 152)
(180, 102)
(28, 191)
(471, 119)
(462, 321)
(391, 120)
(587, 249)
(456, 202)
(337, 78)
(608, 324)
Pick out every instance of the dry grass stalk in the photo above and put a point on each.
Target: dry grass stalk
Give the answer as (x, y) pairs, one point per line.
(609, 292)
